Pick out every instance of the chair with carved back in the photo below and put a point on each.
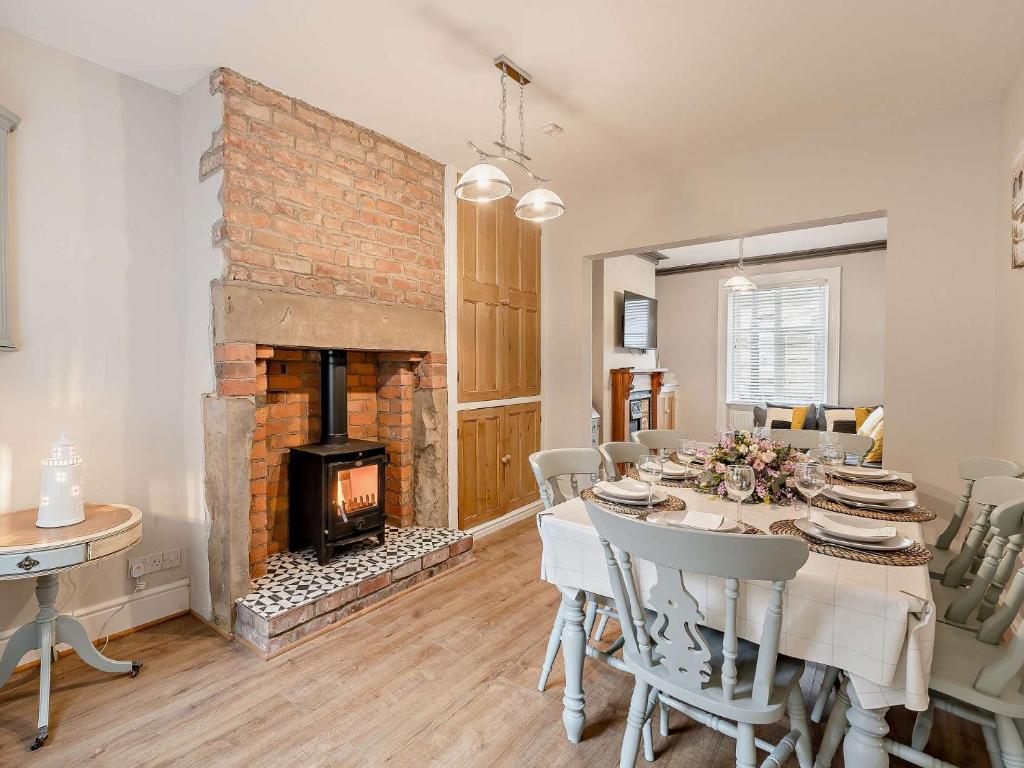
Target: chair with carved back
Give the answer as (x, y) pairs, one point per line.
(550, 468)
(974, 675)
(679, 662)
(615, 454)
(659, 439)
(971, 470)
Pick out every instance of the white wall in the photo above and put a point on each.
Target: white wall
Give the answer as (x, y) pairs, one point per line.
(202, 262)
(688, 333)
(1009, 291)
(937, 179)
(611, 277)
(97, 277)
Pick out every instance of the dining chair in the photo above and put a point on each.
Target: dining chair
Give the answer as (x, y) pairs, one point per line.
(956, 568)
(660, 439)
(973, 676)
(615, 454)
(972, 470)
(678, 661)
(808, 439)
(549, 468)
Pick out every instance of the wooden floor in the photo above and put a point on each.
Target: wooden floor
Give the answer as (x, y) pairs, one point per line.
(443, 676)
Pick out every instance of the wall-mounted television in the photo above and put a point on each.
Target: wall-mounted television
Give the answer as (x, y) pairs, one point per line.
(639, 321)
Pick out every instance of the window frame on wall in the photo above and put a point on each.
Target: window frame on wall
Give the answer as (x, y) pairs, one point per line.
(8, 123)
(740, 414)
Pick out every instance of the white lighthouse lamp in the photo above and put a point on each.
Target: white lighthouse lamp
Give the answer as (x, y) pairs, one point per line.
(60, 494)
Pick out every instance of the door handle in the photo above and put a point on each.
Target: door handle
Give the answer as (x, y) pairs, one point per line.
(504, 302)
(506, 459)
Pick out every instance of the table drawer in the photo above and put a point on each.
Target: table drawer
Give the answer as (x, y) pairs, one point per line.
(20, 564)
(115, 543)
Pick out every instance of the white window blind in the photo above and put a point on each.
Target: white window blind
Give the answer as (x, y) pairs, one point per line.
(778, 339)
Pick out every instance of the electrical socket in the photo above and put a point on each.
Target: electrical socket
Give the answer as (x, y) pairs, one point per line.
(136, 567)
(154, 562)
(172, 558)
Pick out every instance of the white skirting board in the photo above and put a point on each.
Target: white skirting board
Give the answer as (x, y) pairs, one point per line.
(140, 608)
(493, 526)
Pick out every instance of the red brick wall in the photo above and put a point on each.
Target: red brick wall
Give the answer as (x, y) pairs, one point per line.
(318, 204)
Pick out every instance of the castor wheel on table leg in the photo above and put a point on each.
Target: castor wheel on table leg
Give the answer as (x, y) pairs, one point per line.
(41, 736)
(136, 667)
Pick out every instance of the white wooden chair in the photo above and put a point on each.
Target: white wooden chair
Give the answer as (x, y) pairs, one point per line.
(659, 439)
(808, 439)
(972, 470)
(716, 678)
(549, 468)
(972, 675)
(614, 454)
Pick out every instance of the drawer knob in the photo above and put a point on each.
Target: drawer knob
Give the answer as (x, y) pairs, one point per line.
(28, 563)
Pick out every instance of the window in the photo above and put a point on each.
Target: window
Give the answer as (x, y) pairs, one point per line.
(8, 122)
(780, 342)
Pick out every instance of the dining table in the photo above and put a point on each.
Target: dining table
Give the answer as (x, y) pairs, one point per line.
(874, 622)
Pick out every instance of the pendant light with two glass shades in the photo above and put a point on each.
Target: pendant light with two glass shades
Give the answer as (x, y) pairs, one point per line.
(485, 182)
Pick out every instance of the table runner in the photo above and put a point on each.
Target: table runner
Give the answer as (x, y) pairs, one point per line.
(875, 622)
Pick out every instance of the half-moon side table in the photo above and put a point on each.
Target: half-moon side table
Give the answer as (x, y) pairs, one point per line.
(26, 550)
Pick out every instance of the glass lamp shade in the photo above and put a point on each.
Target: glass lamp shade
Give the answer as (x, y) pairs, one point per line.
(483, 183)
(739, 282)
(539, 205)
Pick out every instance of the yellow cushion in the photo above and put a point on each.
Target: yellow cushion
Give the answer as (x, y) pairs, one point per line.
(860, 415)
(877, 434)
(867, 426)
(800, 415)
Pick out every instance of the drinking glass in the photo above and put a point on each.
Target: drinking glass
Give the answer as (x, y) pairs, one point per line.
(832, 454)
(810, 481)
(650, 469)
(739, 484)
(687, 449)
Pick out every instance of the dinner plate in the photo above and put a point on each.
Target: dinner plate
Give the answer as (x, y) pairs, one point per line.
(866, 495)
(854, 528)
(657, 498)
(679, 472)
(903, 505)
(895, 544)
(678, 515)
(865, 473)
(886, 478)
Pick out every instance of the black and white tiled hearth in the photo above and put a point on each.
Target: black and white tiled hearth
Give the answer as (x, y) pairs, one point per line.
(298, 597)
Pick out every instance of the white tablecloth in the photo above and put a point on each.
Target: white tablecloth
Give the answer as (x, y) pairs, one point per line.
(875, 622)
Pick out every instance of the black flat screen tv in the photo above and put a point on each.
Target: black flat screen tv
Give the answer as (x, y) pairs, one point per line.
(639, 321)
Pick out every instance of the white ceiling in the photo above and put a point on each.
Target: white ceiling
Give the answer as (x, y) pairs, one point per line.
(636, 85)
(826, 236)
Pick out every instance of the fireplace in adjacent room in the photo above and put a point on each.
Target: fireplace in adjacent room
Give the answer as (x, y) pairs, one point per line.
(336, 486)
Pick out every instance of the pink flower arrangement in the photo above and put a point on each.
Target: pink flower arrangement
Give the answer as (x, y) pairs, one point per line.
(773, 464)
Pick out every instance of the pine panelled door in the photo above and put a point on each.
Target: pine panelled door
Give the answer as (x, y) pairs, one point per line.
(498, 359)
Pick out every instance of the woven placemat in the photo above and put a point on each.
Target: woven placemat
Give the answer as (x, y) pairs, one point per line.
(689, 482)
(917, 554)
(899, 486)
(628, 510)
(915, 515)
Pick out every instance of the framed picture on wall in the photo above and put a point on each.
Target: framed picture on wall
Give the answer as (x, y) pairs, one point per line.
(1017, 210)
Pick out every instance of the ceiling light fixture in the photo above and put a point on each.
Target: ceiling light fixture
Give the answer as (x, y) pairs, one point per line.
(485, 182)
(739, 281)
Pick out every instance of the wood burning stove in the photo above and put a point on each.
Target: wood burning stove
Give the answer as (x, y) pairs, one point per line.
(336, 486)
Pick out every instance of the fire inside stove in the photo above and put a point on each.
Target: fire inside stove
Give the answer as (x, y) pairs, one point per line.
(354, 489)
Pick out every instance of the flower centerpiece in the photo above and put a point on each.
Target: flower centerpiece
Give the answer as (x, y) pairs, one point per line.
(773, 463)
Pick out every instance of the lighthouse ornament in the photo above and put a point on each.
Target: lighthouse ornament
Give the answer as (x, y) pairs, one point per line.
(60, 493)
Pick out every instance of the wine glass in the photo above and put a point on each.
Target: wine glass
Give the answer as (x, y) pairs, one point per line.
(832, 454)
(650, 469)
(739, 484)
(686, 449)
(810, 481)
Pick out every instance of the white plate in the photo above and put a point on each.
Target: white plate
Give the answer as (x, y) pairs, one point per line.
(679, 472)
(866, 495)
(675, 518)
(852, 528)
(622, 489)
(894, 544)
(657, 498)
(903, 505)
(865, 473)
(886, 478)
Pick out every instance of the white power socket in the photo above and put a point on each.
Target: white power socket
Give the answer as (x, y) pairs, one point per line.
(171, 558)
(136, 567)
(140, 566)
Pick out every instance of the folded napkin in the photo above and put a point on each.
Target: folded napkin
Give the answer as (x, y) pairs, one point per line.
(624, 489)
(694, 518)
(834, 525)
(677, 470)
(865, 495)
